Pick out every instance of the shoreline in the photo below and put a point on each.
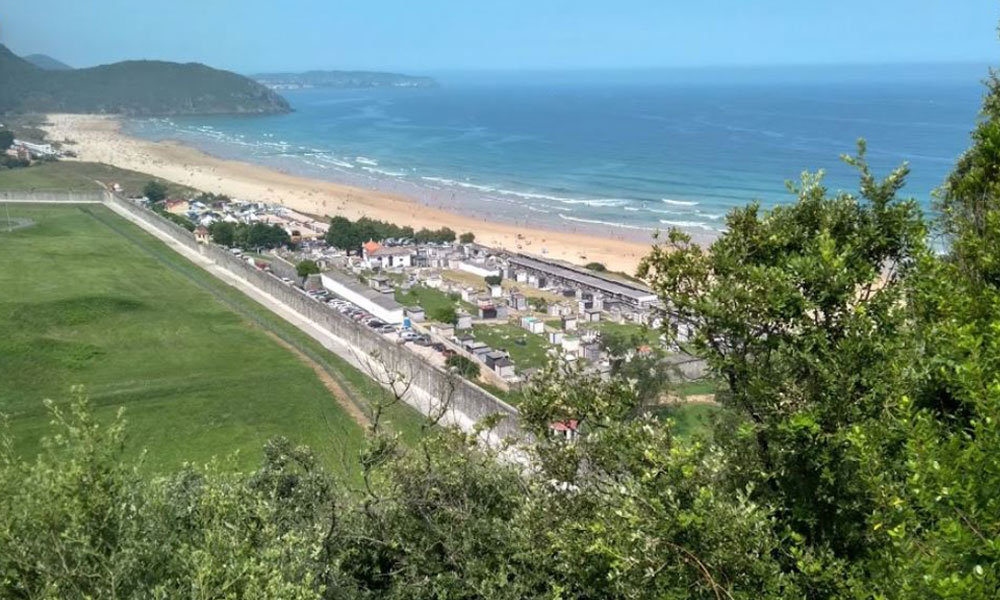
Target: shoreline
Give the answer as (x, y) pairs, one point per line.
(100, 139)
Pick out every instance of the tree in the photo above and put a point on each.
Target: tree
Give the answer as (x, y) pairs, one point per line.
(155, 191)
(466, 367)
(223, 233)
(596, 266)
(493, 279)
(6, 139)
(342, 234)
(467, 238)
(801, 312)
(307, 267)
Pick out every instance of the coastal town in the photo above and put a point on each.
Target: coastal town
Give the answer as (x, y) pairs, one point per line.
(507, 314)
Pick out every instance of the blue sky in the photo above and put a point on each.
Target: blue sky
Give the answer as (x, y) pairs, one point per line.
(435, 35)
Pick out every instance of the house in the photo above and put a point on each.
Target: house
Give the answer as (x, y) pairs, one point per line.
(415, 313)
(567, 429)
(463, 321)
(569, 323)
(532, 324)
(592, 315)
(377, 256)
(201, 234)
(177, 206)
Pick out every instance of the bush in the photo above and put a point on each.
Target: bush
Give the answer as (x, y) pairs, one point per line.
(444, 314)
(596, 266)
(467, 238)
(466, 367)
(493, 279)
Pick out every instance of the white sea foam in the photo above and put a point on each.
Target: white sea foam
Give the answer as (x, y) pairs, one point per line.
(361, 160)
(539, 210)
(608, 223)
(385, 172)
(679, 202)
(632, 209)
(687, 224)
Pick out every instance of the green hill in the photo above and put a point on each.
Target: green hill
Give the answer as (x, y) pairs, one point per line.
(136, 88)
(44, 61)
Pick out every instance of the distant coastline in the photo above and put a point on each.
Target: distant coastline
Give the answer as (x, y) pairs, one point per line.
(100, 139)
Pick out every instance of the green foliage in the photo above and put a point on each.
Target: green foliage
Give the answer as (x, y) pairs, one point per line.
(259, 235)
(223, 233)
(176, 219)
(444, 314)
(307, 267)
(6, 139)
(493, 279)
(467, 238)
(466, 367)
(436, 236)
(537, 304)
(140, 87)
(596, 266)
(155, 191)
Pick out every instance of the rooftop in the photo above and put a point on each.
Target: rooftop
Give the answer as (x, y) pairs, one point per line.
(383, 300)
(636, 292)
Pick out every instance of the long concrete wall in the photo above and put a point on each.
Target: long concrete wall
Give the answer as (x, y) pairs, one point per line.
(429, 388)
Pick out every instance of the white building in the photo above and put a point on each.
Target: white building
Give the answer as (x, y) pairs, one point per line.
(347, 287)
(388, 257)
(480, 269)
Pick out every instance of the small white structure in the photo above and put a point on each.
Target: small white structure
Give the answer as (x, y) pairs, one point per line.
(496, 291)
(464, 321)
(556, 337)
(571, 345)
(533, 325)
(569, 323)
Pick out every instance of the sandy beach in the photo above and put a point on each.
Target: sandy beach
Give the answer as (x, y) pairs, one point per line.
(100, 139)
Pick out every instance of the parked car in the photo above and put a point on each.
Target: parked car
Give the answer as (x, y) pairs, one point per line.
(386, 329)
(409, 336)
(422, 340)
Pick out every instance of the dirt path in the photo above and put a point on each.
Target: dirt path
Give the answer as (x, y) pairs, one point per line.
(328, 381)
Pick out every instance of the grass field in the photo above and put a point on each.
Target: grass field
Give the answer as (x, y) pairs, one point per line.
(532, 353)
(76, 176)
(87, 298)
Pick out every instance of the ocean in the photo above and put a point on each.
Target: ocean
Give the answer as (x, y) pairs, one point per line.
(619, 154)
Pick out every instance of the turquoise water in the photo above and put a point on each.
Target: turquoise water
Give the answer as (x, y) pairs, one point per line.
(617, 155)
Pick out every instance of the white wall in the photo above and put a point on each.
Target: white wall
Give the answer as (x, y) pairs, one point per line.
(389, 316)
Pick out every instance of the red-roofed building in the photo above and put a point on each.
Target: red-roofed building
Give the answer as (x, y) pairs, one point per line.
(370, 246)
(567, 428)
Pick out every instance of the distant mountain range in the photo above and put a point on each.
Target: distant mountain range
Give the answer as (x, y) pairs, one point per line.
(341, 79)
(137, 88)
(44, 61)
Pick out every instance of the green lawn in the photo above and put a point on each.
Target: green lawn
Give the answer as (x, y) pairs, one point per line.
(87, 298)
(76, 176)
(430, 300)
(531, 354)
(691, 420)
(651, 336)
